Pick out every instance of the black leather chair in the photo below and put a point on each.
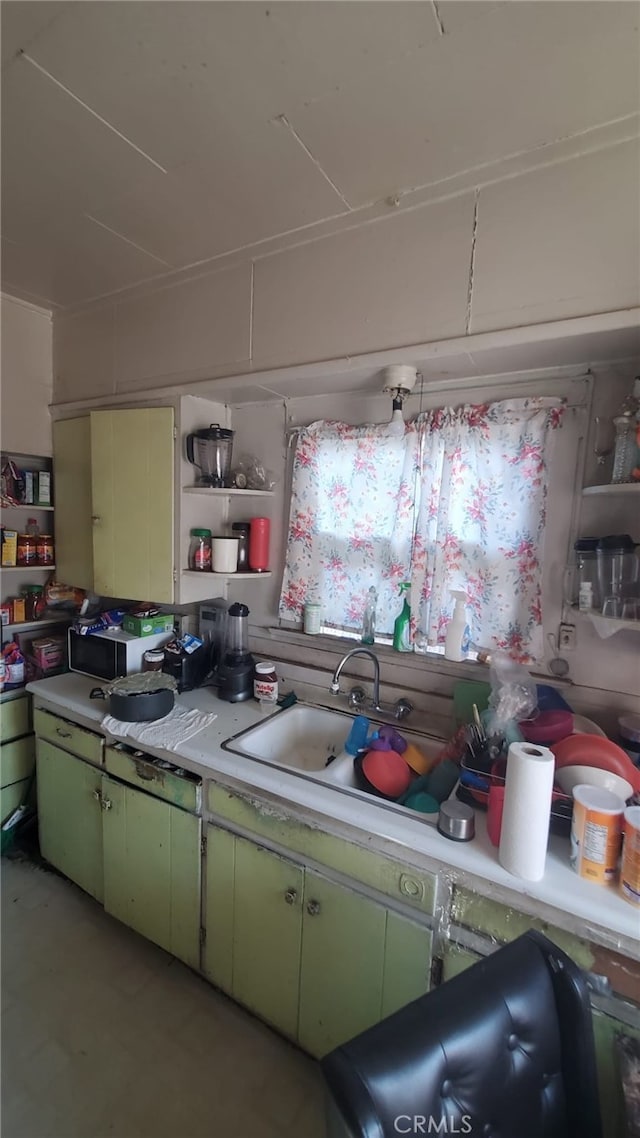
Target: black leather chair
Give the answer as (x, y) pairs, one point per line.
(504, 1050)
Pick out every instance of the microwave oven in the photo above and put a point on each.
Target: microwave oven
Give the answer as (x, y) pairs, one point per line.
(106, 655)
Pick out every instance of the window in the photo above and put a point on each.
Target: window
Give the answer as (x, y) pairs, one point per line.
(457, 502)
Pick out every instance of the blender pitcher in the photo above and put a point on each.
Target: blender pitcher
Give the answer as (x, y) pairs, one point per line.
(617, 568)
(210, 451)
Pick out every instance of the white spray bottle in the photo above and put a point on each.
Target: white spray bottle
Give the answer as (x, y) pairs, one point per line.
(456, 644)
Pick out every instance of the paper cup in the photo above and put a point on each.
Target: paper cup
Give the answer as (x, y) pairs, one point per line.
(630, 871)
(596, 833)
(224, 554)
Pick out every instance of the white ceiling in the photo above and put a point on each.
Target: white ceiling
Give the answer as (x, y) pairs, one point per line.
(141, 137)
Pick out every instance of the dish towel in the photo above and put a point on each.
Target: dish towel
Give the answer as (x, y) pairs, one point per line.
(167, 733)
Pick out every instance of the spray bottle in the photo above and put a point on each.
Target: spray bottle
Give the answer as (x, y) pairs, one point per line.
(456, 644)
(402, 624)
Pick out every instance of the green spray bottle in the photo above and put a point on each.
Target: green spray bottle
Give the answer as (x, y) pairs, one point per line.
(402, 624)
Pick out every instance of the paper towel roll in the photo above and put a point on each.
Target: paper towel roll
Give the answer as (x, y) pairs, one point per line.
(527, 806)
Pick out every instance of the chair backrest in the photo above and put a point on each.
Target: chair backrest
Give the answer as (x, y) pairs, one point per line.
(504, 1050)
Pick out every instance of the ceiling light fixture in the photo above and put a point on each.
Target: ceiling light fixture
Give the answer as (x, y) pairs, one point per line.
(399, 381)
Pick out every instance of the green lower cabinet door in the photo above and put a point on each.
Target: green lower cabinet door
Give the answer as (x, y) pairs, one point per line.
(267, 933)
(69, 816)
(407, 963)
(219, 907)
(343, 951)
(456, 959)
(606, 1029)
(152, 868)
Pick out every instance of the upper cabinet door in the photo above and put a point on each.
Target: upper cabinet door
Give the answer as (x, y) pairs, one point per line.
(72, 499)
(132, 487)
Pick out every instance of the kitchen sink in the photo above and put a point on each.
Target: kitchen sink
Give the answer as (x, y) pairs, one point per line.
(302, 737)
(310, 741)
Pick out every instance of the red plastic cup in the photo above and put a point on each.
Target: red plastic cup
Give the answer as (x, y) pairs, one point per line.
(495, 806)
(259, 545)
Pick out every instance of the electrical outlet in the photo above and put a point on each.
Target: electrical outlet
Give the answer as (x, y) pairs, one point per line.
(567, 638)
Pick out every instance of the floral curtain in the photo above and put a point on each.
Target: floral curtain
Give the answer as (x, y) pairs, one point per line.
(481, 519)
(351, 522)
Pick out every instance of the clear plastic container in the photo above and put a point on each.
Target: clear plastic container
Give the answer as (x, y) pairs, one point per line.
(200, 550)
(586, 569)
(617, 566)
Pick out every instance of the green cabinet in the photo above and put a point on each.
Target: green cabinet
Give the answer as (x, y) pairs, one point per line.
(114, 502)
(315, 958)
(69, 816)
(152, 868)
(17, 752)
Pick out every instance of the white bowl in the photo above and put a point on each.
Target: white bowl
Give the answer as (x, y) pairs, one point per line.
(568, 777)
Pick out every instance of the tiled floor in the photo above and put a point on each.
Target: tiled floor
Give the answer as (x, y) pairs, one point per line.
(106, 1036)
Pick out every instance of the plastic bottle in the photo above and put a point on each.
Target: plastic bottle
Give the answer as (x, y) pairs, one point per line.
(402, 624)
(369, 617)
(456, 644)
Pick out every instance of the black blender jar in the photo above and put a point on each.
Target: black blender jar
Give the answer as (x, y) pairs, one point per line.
(235, 672)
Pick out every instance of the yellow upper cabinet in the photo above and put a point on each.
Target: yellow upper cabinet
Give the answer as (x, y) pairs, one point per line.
(114, 475)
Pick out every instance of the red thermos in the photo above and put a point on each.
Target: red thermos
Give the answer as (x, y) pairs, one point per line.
(259, 545)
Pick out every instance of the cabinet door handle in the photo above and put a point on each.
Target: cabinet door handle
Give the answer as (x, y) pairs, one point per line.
(313, 908)
(291, 896)
(95, 518)
(105, 803)
(63, 734)
(98, 797)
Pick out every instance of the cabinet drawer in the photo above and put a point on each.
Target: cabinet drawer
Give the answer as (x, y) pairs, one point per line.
(69, 736)
(17, 760)
(413, 887)
(15, 718)
(162, 779)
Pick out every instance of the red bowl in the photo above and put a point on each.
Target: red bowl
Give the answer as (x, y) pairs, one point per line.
(594, 751)
(387, 772)
(547, 727)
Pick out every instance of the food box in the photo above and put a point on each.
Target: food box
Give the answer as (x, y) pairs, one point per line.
(44, 488)
(9, 547)
(48, 652)
(148, 625)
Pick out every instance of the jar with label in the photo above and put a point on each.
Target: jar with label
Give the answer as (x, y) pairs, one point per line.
(44, 549)
(200, 550)
(265, 683)
(152, 660)
(27, 553)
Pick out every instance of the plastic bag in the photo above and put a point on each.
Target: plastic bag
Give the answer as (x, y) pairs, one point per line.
(513, 692)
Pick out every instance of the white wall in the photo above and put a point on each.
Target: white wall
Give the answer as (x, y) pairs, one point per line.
(27, 378)
(554, 242)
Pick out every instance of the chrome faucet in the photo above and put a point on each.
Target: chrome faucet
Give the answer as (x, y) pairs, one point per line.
(335, 683)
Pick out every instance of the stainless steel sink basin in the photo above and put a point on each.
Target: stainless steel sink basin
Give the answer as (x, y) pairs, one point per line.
(302, 737)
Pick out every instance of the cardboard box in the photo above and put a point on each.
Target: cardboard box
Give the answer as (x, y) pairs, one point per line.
(48, 652)
(44, 488)
(148, 625)
(9, 547)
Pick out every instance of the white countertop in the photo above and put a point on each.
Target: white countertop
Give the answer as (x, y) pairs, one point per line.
(594, 912)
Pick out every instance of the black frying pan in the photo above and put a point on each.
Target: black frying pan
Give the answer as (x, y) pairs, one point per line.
(137, 706)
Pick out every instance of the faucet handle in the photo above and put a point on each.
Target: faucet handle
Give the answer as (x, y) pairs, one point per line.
(402, 708)
(334, 687)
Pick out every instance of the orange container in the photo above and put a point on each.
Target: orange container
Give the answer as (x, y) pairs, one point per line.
(596, 833)
(630, 871)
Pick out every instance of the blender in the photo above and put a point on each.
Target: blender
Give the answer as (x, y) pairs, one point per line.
(210, 451)
(235, 672)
